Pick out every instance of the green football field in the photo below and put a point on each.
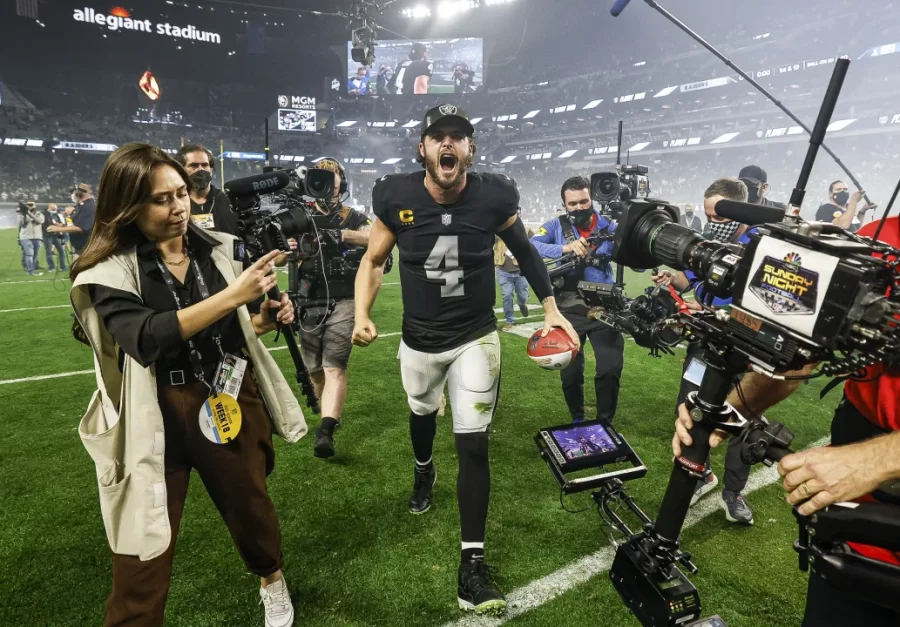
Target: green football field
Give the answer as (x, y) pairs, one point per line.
(354, 555)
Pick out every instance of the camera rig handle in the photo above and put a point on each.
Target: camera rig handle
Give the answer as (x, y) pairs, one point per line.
(822, 545)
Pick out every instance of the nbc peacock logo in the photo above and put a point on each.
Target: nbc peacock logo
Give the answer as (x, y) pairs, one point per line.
(793, 259)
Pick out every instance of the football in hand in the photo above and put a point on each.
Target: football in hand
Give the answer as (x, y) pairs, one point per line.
(555, 351)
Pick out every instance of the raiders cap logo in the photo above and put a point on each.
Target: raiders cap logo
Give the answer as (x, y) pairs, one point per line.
(447, 109)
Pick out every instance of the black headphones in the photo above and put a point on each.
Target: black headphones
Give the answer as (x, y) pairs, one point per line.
(345, 184)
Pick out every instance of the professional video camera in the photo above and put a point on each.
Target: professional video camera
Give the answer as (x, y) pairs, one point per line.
(265, 230)
(802, 293)
(612, 189)
(24, 207)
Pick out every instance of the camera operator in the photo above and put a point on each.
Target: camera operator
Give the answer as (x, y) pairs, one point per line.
(210, 208)
(82, 219)
(841, 207)
(737, 510)
(358, 85)
(756, 180)
(565, 234)
(862, 463)
(30, 235)
(52, 215)
(326, 346)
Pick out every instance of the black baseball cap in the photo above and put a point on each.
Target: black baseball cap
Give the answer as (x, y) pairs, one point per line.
(417, 51)
(447, 112)
(753, 173)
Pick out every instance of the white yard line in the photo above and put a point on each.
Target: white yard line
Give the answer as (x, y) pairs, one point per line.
(32, 281)
(543, 590)
(33, 308)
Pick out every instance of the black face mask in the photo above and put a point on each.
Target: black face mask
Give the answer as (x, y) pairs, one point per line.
(201, 179)
(581, 217)
(841, 198)
(753, 194)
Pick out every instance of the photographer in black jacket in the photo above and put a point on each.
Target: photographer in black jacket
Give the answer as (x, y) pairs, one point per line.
(325, 344)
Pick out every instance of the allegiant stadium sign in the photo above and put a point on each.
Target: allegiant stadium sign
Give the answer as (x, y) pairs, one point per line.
(120, 19)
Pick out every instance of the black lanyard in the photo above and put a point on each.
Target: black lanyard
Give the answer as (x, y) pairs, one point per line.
(194, 354)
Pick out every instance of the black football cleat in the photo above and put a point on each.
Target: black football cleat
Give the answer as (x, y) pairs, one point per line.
(477, 591)
(420, 501)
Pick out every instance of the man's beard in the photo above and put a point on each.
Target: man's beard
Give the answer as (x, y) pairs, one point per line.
(446, 180)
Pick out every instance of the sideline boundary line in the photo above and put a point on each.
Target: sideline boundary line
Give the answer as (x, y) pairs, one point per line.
(541, 591)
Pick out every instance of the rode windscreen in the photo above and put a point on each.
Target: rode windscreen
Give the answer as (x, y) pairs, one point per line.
(618, 6)
(258, 184)
(747, 213)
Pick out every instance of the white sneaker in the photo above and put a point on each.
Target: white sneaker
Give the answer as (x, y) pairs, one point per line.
(277, 600)
(705, 487)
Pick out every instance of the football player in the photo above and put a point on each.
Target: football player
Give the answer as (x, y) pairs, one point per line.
(444, 220)
(413, 76)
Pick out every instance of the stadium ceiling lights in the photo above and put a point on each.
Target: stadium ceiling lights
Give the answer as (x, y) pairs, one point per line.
(474, 121)
(391, 161)
(416, 12)
(531, 114)
(592, 104)
(566, 154)
(839, 125)
(347, 124)
(449, 8)
(639, 146)
(415, 123)
(508, 159)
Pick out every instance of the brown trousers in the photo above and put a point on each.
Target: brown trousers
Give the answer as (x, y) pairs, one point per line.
(235, 478)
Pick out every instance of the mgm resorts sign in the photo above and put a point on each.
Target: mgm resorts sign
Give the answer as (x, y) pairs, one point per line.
(120, 19)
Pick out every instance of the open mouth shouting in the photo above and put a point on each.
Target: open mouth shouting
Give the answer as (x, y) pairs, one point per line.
(447, 162)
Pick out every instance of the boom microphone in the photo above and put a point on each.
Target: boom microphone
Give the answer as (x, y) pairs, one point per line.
(618, 6)
(748, 213)
(258, 184)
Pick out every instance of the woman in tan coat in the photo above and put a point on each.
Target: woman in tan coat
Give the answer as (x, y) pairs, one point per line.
(184, 383)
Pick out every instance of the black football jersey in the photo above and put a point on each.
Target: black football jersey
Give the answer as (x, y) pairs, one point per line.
(407, 73)
(446, 255)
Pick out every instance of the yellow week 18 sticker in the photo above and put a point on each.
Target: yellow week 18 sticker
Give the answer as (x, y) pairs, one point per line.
(220, 418)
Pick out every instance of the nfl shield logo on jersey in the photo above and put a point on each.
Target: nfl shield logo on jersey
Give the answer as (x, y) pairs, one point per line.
(445, 219)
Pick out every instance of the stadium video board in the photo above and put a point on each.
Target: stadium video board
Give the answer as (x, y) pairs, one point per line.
(297, 113)
(408, 68)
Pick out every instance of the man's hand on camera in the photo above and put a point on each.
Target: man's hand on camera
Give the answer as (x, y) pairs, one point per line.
(364, 332)
(832, 474)
(664, 278)
(284, 314)
(683, 424)
(579, 247)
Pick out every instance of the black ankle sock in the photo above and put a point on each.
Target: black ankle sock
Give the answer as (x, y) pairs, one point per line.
(421, 432)
(328, 425)
(467, 555)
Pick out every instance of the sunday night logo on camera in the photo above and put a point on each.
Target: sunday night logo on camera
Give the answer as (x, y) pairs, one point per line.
(785, 287)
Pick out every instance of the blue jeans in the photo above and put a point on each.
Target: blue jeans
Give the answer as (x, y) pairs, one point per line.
(30, 250)
(508, 283)
(60, 245)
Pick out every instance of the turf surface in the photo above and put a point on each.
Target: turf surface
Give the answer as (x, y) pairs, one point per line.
(354, 555)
